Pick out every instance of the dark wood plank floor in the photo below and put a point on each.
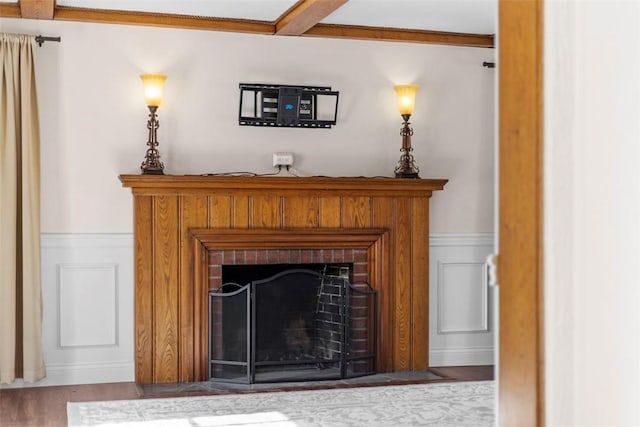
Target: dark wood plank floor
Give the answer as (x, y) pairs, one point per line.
(47, 406)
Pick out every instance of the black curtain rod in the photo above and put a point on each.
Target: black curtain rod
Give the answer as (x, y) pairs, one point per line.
(42, 39)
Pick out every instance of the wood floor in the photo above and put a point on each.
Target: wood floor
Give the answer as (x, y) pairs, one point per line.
(47, 406)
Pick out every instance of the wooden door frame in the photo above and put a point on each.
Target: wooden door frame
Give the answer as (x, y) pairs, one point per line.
(520, 262)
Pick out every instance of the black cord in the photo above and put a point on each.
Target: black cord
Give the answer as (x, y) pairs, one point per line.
(291, 171)
(243, 173)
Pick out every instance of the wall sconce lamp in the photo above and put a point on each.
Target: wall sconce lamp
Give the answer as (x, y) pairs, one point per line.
(406, 95)
(153, 84)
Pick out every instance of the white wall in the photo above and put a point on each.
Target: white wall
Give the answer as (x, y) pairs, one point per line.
(93, 115)
(592, 212)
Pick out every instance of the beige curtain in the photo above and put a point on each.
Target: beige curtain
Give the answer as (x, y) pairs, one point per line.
(20, 290)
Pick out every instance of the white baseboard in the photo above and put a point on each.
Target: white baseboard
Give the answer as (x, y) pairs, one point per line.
(81, 373)
(473, 356)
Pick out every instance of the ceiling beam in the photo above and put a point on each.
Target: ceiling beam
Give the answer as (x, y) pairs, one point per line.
(37, 9)
(162, 20)
(9, 10)
(400, 35)
(304, 15)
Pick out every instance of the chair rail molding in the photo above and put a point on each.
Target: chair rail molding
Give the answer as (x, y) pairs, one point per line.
(462, 239)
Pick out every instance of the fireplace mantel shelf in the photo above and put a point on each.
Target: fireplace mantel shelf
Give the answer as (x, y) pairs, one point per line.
(178, 219)
(154, 184)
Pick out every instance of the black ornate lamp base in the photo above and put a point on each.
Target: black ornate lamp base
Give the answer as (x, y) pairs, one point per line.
(407, 175)
(152, 164)
(406, 165)
(152, 171)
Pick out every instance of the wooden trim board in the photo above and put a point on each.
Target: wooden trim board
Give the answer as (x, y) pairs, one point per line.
(520, 269)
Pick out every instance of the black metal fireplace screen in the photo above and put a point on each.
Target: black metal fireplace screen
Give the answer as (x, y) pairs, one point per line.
(298, 325)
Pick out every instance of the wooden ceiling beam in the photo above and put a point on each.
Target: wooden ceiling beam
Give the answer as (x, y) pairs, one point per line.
(401, 35)
(9, 10)
(163, 20)
(37, 9)
(304, 15)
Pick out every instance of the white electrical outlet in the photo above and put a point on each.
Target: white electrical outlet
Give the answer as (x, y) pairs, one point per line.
(282, 159)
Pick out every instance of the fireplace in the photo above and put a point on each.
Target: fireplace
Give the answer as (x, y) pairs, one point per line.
(325, 275)
(306, 322)
(182, 221)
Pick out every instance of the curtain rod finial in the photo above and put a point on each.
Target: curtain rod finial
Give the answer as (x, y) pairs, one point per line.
(41, 39)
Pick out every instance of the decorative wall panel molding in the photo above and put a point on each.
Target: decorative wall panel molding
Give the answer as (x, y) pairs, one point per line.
(87, 285)
(87, 305)
(461, 302)
(462, 299)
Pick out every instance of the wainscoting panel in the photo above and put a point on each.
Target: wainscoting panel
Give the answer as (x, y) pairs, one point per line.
(88, 306)
(461, 307)
(462, 298)
(87, 285)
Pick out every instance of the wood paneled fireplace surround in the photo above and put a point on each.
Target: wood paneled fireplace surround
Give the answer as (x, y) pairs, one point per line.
(182, 222)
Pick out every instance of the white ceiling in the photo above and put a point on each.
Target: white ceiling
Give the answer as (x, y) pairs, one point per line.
(458, 16)
(260, 10)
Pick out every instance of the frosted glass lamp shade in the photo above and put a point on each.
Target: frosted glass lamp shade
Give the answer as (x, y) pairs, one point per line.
(406, 98)
(153, 84)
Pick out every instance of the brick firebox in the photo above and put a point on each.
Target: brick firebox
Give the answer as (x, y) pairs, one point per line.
(218, 258)
(362, 324)
(366, 248)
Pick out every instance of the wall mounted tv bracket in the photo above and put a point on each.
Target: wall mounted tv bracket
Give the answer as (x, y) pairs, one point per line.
(287, 106)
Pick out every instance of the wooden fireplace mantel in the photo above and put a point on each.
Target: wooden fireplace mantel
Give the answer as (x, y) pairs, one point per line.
(170, 211)
(198, 184)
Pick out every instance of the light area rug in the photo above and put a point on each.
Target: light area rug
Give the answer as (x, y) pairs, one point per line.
(436, 404)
